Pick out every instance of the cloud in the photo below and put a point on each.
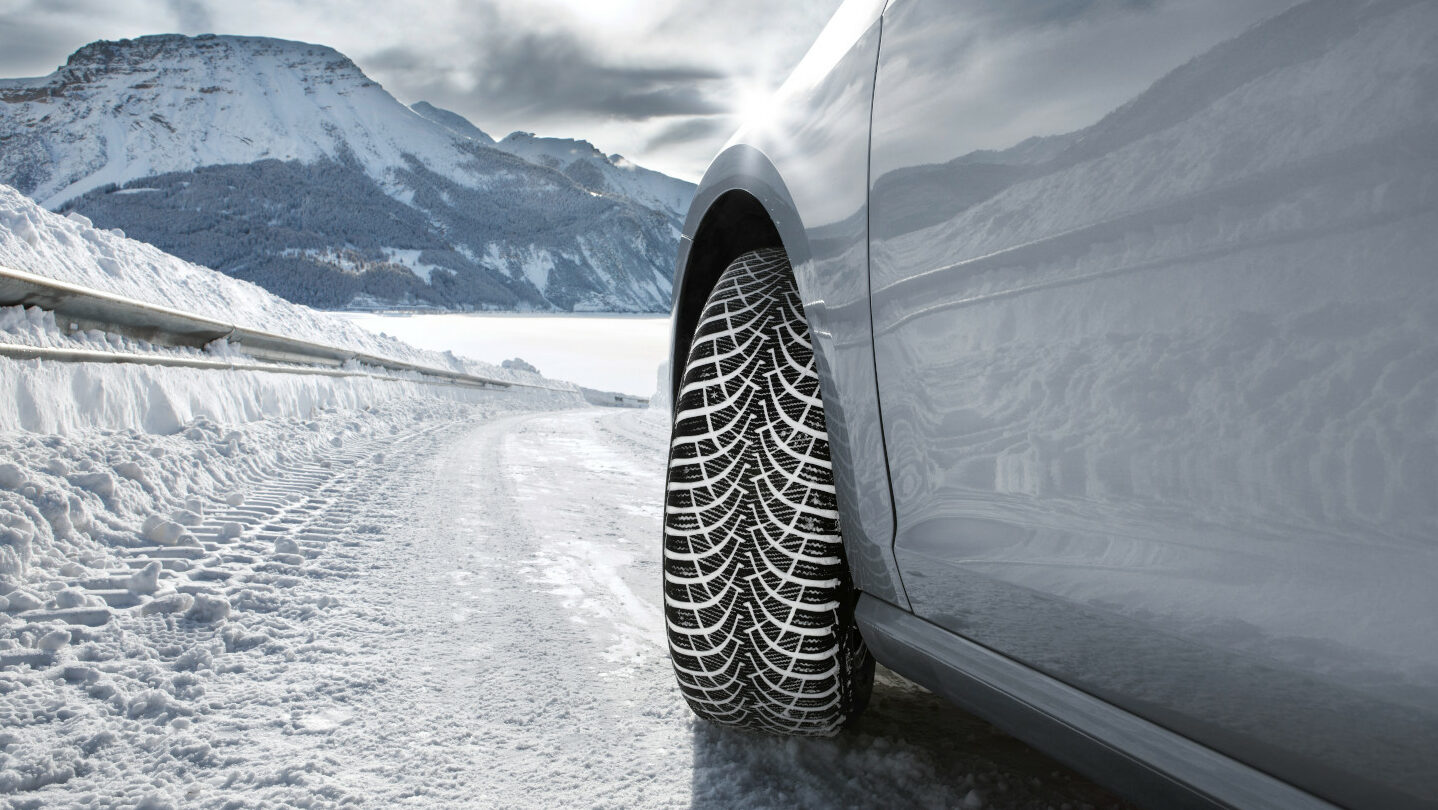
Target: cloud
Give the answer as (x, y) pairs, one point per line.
(40, 51)
(706, 130)
(655, 80)
(192, 16)
(37, 35)
(542, 74)
(621, 73)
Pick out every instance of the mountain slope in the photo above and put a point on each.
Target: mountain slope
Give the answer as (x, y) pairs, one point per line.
(611, 174)
(580, 161)
(452, 121)
(318, 184)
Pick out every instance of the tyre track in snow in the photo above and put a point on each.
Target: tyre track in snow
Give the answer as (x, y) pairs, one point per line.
(170, 681)
(280, 525)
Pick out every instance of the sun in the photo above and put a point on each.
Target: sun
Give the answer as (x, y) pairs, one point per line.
(754, 103)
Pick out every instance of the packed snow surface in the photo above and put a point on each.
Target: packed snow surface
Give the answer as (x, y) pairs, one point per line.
(607, 352)
(420, 604)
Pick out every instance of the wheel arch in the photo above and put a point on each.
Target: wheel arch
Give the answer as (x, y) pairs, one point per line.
(741, 205)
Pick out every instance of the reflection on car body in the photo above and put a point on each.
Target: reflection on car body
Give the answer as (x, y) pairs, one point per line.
(1126, 319)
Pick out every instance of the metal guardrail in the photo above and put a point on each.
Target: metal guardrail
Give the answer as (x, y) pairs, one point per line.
(162, 325)
(18, 351)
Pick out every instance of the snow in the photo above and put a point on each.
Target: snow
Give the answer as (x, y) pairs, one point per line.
(536, 266)
(69, 249)
(62, 398)
(605, 352)
(427, 604)
(410, 259)
(619, 175)
(224, 588)
(452, 121)
(275, 109)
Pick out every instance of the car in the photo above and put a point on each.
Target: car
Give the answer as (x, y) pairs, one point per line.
(1079, 362)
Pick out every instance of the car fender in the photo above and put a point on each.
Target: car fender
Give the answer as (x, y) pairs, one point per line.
(799, 179)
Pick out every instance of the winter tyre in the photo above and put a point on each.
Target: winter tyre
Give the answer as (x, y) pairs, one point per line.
(757, 596)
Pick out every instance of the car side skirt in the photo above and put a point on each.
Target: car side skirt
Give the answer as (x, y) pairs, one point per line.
(1132, 756)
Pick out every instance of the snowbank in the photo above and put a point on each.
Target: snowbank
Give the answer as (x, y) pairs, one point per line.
(62, 398)
(71, 249)
(65, 398)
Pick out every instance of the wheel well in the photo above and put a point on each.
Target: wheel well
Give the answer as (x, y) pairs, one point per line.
(735, 224)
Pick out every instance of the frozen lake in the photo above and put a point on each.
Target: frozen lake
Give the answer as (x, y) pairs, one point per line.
(604, 351)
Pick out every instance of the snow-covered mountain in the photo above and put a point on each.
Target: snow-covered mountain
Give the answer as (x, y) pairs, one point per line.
(580, 161)
(452, 121)
(612, 174)
(282, 163)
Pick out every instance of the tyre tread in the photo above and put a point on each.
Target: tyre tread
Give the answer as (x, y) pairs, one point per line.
(756, 587)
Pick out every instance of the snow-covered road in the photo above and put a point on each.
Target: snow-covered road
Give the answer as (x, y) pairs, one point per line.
(460, 612)
(509, 646)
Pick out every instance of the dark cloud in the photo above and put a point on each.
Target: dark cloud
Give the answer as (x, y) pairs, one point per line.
(35, 38)
(547, 74)
(35, 53)
(692, 130)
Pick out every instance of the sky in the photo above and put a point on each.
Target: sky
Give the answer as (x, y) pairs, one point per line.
(662, 82)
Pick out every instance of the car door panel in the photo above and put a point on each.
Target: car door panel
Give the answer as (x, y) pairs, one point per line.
(1156, 328)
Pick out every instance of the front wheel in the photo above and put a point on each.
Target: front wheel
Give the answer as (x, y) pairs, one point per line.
(757, 594)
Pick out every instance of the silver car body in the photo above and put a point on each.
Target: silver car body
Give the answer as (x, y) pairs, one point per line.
(1126, 315)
